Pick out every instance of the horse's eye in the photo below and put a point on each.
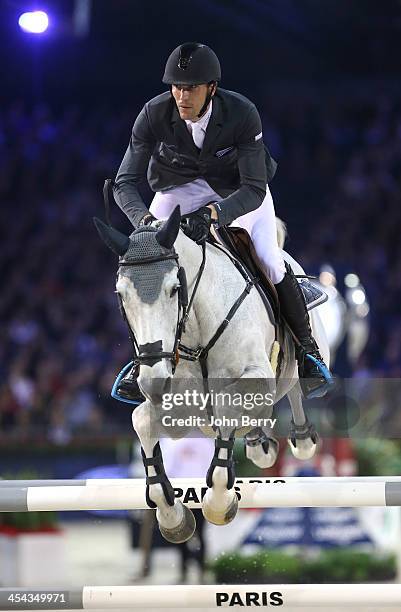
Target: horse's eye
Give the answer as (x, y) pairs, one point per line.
(174, 290)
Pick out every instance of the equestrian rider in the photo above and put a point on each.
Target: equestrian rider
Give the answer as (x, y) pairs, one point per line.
(201, 146)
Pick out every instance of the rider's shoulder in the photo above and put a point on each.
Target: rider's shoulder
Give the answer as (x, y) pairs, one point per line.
(234, 99)
(158, 103)
(160, 100)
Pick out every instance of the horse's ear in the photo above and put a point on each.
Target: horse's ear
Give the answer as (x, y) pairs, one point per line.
(115, 240)
(167, 234)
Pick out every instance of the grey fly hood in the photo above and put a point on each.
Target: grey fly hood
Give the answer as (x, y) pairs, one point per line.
(147, 279)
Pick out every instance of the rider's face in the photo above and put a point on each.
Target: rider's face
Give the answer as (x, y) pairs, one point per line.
(190, 99)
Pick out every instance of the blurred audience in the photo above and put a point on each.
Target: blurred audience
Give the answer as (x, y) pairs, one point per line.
(62, 340)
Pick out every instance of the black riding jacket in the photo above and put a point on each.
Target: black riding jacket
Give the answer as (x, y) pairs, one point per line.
(233, 159)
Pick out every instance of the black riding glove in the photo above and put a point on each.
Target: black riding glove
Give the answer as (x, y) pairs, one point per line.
(196, 225)
(147, 219)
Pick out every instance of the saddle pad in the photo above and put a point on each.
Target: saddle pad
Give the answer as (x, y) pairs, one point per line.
(313, 294)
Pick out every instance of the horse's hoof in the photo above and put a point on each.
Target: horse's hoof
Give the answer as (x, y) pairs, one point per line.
(303, 449)
(263, 455)
(184, 531)
(218, 517)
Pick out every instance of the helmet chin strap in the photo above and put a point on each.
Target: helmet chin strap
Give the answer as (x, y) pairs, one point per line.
(209, 96)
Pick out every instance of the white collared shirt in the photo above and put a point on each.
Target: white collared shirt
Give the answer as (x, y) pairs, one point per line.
(201, 124)
(192, 195)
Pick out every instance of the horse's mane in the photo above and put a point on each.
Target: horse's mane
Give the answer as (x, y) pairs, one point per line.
(281, 232)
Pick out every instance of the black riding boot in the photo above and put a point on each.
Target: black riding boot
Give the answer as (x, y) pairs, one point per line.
(128, 386)
(314, 376)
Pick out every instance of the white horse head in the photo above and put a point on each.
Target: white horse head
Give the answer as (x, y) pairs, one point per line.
(148, 286)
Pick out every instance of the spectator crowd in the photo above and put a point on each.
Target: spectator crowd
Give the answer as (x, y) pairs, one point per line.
(62, 340)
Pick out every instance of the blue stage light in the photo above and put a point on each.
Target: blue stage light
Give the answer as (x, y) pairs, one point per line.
(35, 22)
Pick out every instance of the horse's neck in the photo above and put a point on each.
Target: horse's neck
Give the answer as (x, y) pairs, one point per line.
(218, 289)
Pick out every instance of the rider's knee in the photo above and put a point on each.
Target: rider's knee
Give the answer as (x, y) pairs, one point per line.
(275, 269)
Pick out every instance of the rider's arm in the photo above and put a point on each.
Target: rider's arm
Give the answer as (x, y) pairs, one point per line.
(134, 168)
(252, 170)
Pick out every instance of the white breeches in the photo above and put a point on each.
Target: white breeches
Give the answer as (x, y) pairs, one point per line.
(260, 223)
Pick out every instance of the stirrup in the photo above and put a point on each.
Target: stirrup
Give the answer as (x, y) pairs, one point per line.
(327, 379)
(114, 392)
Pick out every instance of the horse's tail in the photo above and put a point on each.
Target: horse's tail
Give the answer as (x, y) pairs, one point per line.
(282, 233)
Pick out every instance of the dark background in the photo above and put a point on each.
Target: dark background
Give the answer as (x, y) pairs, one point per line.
(260, 43)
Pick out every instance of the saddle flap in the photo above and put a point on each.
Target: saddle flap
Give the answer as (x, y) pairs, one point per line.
(239, 243)
(313, 294)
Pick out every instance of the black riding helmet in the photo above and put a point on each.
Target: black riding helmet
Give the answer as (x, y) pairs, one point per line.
(192, 64)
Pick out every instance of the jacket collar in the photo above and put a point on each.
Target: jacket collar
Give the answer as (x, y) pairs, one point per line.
(214, 126)
(181, 132)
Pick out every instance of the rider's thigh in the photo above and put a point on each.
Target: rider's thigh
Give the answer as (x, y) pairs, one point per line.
(261, 226)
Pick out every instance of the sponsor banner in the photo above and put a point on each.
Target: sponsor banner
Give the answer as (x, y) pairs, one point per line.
(312, 527)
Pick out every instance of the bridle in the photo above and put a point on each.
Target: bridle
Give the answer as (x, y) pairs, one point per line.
(150, 353)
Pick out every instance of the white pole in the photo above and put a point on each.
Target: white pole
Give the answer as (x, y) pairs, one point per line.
(128, 496)
(271, 596)
(203, 596)
(283, 596)
(198, 482)
(212, 596)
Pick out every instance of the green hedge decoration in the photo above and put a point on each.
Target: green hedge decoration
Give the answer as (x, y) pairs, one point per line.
(335, 565)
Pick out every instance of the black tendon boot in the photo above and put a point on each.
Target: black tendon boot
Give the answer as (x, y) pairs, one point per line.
(314, 376)
(127, 387)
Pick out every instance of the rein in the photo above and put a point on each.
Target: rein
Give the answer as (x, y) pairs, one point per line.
(201, 353)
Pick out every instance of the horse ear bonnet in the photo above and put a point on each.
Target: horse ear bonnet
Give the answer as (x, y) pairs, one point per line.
(115, 240)
(147, 279)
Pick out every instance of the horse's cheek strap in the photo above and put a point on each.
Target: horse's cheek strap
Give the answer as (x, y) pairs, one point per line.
(183, 286)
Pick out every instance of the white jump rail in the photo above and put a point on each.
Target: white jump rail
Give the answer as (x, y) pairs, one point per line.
(203, 596)
(127, 494)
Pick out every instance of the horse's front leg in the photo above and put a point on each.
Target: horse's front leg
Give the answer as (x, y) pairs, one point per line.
(176, 522)
(303, 439)
(220, 503)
